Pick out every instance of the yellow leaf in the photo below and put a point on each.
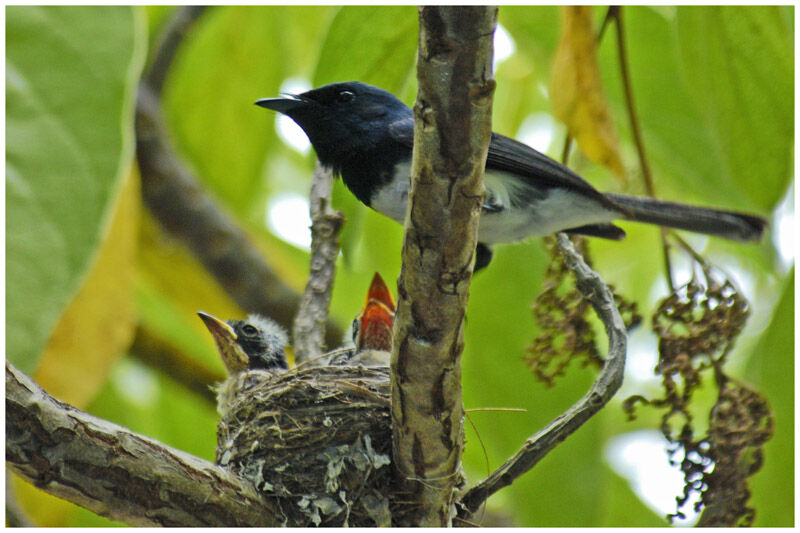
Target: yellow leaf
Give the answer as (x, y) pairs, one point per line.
(98, 325)
(577, 91)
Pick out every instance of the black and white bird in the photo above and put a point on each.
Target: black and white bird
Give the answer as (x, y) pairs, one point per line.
(366, 135)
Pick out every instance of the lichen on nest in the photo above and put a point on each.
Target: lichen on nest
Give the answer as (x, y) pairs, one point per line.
(317, 438)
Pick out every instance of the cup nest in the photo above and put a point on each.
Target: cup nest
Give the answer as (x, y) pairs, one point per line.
(319, 439)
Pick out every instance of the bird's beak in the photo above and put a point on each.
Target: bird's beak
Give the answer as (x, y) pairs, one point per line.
(230, 351)
(285, 104)
(380, 293)
(376, 318)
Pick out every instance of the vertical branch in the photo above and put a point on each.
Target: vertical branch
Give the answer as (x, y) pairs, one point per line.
(309, 324)
(452, 129)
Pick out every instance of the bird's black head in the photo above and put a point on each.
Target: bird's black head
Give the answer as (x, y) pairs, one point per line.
(341, 119)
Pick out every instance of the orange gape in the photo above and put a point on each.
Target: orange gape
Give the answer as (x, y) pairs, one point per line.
(376, 318)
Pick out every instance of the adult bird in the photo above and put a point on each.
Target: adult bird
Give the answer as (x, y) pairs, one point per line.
(366, 135)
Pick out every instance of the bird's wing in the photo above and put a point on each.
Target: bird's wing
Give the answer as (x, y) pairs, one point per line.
(520, 159)
(402, 131)
(506, 154)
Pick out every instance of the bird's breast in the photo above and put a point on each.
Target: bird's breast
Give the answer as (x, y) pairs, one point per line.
(391, 199)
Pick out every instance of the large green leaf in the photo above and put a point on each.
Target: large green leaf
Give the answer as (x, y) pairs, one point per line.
(376, 45)
(71, 75)
(739, 66)
(234, 56)
(712, 135)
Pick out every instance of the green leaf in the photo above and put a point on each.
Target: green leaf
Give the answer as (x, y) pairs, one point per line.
(376, 45)
(71, 76)
(711, 135)
(233, 57)
(739, 65)
(521, 78)
(772, 367)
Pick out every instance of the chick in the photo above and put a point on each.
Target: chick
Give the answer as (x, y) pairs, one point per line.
(256, 343)
(371, 330)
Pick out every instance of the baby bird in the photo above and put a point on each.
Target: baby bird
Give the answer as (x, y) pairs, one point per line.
(256, 343)
(372, 330)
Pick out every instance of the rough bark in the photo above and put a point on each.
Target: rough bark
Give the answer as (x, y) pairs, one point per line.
(308, 333)
(452, 128)
(117, 473)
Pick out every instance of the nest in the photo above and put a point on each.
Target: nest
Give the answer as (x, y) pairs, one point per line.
(318, 439)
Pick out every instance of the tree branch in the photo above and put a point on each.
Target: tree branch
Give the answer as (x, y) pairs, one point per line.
(116, 473)
(309, 325)
(452, 127)
(603, 389)
(183, 19)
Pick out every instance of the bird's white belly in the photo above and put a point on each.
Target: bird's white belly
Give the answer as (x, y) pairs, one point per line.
(557, 210)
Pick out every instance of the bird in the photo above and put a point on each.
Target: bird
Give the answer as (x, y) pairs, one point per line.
(256, 343)
(371, 331)
(365, 134)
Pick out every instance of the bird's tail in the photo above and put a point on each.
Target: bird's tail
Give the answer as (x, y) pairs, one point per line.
(727, 224)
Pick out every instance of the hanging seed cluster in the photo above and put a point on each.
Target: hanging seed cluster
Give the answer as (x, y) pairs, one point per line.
(697, 326)
(562, 314)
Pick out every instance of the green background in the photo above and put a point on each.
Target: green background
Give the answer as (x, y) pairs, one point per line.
(714, 91)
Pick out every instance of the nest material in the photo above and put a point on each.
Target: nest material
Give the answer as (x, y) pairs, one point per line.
(318, 439)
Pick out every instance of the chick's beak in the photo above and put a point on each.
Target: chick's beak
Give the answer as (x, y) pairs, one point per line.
(379, 292)
(376, 318)
(230, 351)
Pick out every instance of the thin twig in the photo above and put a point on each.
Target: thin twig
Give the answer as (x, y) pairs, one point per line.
(615, 13)
(309, 324)
(603, 389)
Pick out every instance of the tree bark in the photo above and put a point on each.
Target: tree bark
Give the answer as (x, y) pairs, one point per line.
(308, 332)
(452, 128)
(117, 473)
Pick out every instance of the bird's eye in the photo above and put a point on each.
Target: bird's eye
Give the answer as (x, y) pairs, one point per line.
(249, 330)
(345, 96)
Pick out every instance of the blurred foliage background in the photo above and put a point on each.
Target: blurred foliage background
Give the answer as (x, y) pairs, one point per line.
(87, 267)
